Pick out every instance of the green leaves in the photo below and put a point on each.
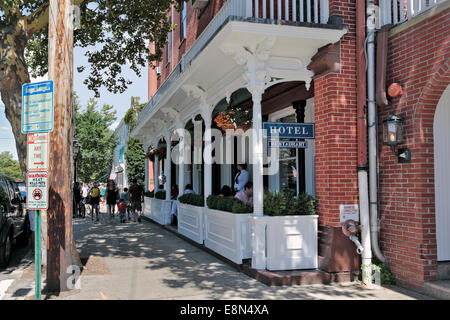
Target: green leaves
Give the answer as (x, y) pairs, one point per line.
(9, 166)
(96, 140)
(197, 200)
(135, 158)
(232, 205)
(285, 203)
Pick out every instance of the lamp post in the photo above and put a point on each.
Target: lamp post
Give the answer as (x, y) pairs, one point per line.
(393, 135)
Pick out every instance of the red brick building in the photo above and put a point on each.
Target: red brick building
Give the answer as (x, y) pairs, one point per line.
(311, 58)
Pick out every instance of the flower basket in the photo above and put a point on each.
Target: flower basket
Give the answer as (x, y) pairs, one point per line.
(233, 120)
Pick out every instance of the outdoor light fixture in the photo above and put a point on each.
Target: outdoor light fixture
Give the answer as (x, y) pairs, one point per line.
(393, 136)
(76, 148)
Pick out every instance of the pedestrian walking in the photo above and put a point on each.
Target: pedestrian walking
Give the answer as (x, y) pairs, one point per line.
(136, 193)
(112, 196)
(122, 210)
(125, 197)
(95, 200)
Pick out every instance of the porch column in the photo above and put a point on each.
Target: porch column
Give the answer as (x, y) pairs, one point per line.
(168, 166)
(207, 177)
(156, 173)
(181, 166)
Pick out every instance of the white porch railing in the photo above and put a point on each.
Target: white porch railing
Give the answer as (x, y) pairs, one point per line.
(316, 11)
(397, 11)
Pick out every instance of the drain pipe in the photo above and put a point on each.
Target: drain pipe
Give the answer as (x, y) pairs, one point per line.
(372, 116)
(365, 248)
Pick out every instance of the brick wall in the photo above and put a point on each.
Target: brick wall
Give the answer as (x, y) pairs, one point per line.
(418, 58)
(335, 118)
(196, 22)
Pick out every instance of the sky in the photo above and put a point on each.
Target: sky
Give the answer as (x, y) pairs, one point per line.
(121, 102)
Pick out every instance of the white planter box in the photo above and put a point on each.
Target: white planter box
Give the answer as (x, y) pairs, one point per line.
(147, 210)
(291, 242)
(161, 211)
(228, 234)
(191, 222)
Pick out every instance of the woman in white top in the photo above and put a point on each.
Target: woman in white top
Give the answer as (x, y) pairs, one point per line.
(241, 178)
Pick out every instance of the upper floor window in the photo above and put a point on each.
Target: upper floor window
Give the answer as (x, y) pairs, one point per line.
(183, 22)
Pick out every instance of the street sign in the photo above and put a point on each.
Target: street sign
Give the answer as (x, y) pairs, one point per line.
(289, 130)
(38, 151)
(37, 190)
(37, 107)
(287, 144)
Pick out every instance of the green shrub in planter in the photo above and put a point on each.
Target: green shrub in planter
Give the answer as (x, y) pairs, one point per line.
(160, 195)
(150, 194)
(240, 207)
(211, 201)
(192, 199)
(275, 203)
(304, 205)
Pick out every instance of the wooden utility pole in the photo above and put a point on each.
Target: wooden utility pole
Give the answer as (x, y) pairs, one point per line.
(59, 219)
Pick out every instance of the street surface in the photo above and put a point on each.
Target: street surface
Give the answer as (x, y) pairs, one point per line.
(145, 261)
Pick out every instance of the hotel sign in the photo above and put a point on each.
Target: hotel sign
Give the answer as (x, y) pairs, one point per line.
(289, 130)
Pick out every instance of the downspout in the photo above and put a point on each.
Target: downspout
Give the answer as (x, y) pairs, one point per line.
(372, 117)
(362, 144)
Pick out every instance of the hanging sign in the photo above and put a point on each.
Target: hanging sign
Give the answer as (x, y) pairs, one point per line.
(38, 151)
(37, 107)
(289, 130)
(37, 190)
(287, 144)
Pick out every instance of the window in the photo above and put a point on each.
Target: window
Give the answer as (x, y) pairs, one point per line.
(183, 22)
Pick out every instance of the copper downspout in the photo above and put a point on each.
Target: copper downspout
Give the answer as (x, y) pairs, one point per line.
(361, 84)
(382, 49)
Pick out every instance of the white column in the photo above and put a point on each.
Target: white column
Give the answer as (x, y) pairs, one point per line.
(208, 154)
(257, 146)
(181, 167)
(155, 178)
(168, 167)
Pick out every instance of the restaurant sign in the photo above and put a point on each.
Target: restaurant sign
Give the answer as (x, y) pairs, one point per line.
(287, 144)
(289, 130)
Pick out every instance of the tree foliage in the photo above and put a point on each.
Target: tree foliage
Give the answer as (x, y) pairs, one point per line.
(117, 32)
(131, 116)
(9, 166)
(135, 158)
(97, 141)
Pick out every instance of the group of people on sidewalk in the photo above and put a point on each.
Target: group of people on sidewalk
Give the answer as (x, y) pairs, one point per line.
(128, 201)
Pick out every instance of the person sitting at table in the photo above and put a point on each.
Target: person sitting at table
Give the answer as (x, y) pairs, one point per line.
(246, 196)
(226, 192)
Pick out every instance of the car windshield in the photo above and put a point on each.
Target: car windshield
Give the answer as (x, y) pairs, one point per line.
(21, 186)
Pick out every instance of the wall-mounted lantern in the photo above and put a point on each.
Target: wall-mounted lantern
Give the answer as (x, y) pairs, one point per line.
(393, 135)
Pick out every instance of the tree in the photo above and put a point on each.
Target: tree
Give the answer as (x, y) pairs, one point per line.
(123, 28)
(135, 158)
(9, 166)
(97, 141)
(134, 155)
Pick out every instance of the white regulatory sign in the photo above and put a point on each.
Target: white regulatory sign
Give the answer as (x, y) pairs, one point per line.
(38, 151)
(349, 212)
(37, 190)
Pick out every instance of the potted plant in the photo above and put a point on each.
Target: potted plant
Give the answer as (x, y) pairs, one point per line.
(291, 231)
(227, 227)
(190, 216)
(234, 119)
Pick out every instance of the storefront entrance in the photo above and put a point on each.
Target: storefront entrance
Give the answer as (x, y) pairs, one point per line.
(442, 175)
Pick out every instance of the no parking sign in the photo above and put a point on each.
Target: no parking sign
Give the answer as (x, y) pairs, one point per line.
(37, 191)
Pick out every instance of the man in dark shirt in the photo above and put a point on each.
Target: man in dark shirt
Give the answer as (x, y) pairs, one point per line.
(136, 193)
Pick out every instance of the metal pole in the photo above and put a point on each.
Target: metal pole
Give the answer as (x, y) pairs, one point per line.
(37, 255)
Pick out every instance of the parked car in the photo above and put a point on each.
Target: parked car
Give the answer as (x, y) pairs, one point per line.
(14, 222)
(23, 189)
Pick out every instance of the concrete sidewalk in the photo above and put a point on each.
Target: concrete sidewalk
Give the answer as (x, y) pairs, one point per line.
(145, 261)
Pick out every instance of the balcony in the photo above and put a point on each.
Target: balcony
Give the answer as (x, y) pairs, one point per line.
(239, 23)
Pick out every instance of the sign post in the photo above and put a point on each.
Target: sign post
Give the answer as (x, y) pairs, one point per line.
(37, 254)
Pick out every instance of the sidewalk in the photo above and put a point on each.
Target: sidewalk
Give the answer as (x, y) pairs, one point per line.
(145, 261)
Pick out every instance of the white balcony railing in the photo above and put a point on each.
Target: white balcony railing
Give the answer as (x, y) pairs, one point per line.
(397, 11)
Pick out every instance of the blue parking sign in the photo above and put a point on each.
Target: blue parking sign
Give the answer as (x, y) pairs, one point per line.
(37, 107)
